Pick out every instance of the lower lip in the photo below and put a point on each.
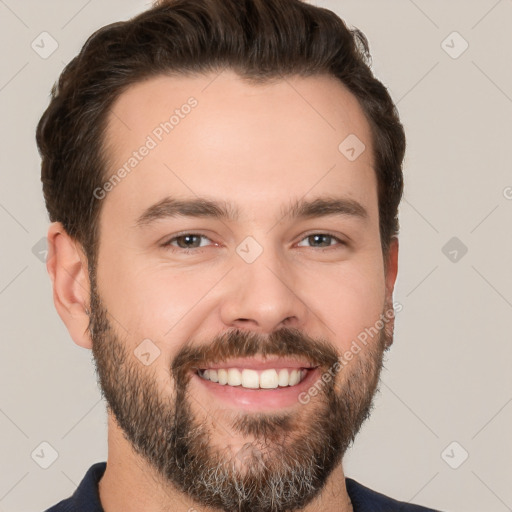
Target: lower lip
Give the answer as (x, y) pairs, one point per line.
(259, 399)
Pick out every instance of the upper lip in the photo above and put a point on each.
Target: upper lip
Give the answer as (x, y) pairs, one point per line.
(258, 363)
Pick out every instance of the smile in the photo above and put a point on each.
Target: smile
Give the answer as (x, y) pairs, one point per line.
(271, 378)
(255, 383)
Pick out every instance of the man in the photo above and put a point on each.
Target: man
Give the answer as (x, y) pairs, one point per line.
(223, 179)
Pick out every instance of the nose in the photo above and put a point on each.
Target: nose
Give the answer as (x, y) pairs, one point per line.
(263, 295)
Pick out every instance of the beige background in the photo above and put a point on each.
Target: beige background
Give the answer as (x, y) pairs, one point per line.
(448, 376)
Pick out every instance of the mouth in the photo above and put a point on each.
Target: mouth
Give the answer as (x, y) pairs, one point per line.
(255, 384)
(248, 378)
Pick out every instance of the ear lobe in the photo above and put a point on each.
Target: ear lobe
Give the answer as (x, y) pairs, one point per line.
(67, 266)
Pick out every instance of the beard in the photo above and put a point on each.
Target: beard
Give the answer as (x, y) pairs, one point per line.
(288, 455)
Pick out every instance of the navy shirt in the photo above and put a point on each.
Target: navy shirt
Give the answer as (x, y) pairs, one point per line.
(86, 497)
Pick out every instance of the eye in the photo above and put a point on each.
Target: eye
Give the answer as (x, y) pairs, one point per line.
(322, 239)
(192, 242)
(186, 242)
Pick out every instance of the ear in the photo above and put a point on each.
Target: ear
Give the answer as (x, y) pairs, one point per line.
(67, 266)
(391, 271)
(391, 268)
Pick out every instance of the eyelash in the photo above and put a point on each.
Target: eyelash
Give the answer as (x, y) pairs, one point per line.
(199, 250)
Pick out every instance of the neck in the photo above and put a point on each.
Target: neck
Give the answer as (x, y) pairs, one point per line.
(130, 484)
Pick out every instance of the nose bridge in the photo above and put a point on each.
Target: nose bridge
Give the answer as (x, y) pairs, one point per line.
(261, 294)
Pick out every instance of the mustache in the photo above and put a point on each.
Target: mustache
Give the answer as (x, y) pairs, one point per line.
(236, 343)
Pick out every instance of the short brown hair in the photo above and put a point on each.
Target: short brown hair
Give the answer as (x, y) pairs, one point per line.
(261, 40)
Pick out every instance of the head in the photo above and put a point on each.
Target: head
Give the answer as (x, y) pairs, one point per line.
(227, 122)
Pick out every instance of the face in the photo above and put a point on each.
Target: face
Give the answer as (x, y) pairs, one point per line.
(239, 260)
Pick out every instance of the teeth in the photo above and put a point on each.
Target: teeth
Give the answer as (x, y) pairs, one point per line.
(283, 377)
(294, 378)
(269, 379)
(214, 377)
(234, 377)
(223, 376)
(252, 379)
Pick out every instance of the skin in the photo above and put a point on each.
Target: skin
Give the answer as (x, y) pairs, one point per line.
(257, 146)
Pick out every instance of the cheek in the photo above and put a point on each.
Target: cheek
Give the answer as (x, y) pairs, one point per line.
(348, 300)
(153, 301)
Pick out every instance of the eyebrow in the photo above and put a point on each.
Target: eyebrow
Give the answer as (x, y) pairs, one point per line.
(205, 208)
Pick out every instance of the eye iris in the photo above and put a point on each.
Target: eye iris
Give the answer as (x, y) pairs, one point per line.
(188, 238)
(315, 238)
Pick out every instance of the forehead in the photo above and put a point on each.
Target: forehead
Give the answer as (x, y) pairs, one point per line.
(253, 146)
